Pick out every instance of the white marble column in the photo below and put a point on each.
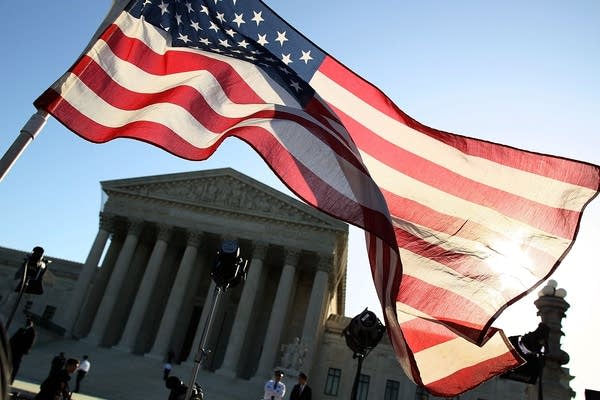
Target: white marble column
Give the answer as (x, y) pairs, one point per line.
(114, 283)
(314, 312)
(278, 314)
(243, 313)
(144, 293)
(91, 302)
(171, 311)
(88, 270)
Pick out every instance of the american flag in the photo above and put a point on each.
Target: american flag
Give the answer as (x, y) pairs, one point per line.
(476, 224)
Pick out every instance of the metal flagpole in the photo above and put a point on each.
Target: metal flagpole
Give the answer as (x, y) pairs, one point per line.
(28, 133)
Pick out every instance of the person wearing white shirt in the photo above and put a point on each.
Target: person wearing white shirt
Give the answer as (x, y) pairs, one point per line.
(274, 388)
(82, 371)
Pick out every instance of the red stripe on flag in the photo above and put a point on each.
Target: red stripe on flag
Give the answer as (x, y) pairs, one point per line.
(149, 132)
(471, 266)
(444, 305)
(380, 254)
(422, 334)
(538, 215)
(562, 169)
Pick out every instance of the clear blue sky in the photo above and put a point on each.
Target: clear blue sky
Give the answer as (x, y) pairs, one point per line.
(520, 73)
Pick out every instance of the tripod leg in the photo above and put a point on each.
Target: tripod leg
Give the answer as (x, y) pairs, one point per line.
(202, 347)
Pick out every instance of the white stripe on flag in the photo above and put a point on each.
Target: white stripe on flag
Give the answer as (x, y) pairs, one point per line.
(505, 255)
(172, 116)
(486, 293)
(444, 359)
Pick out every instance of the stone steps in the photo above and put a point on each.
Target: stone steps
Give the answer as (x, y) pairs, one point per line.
(118, 375)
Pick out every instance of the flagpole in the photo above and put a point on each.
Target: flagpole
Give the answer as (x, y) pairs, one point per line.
(39, 119)
(29, 132)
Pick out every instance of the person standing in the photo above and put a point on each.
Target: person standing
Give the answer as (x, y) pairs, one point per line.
(20, 344)
(274, 388)
(168, 366)
(82, 371)
(301, 391)
(56, 386)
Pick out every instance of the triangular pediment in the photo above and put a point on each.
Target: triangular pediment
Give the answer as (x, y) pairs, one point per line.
(223, 189)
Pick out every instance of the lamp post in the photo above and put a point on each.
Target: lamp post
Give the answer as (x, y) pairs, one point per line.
(30, 277)
(228, 270)
(362, 334)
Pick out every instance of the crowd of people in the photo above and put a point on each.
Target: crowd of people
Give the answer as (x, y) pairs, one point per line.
(57, 384)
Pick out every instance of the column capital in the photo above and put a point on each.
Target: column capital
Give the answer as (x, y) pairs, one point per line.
(134, 226)
(107, 221)
(292, 255)
(120, 227)
(324, 263)
(194, 238)
(259, 249)
(163, 232)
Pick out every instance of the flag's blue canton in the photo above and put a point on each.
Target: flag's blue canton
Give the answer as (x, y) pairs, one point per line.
(244, 29)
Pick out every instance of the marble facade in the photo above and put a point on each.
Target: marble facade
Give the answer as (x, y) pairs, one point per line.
(145, 286)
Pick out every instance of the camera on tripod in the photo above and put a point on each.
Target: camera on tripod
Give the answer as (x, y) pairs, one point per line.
(229, 268)
(178, 389)
(363, 333)
(32, 271)
(532, 347)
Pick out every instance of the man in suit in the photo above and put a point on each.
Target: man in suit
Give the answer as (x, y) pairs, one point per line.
(301, 390)
(20, 344)
(56, 385)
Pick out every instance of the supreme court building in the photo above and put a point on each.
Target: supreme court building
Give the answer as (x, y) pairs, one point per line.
(145, 287)
(153, 291)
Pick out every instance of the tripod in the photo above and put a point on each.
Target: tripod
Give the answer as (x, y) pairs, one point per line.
(30, 278)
